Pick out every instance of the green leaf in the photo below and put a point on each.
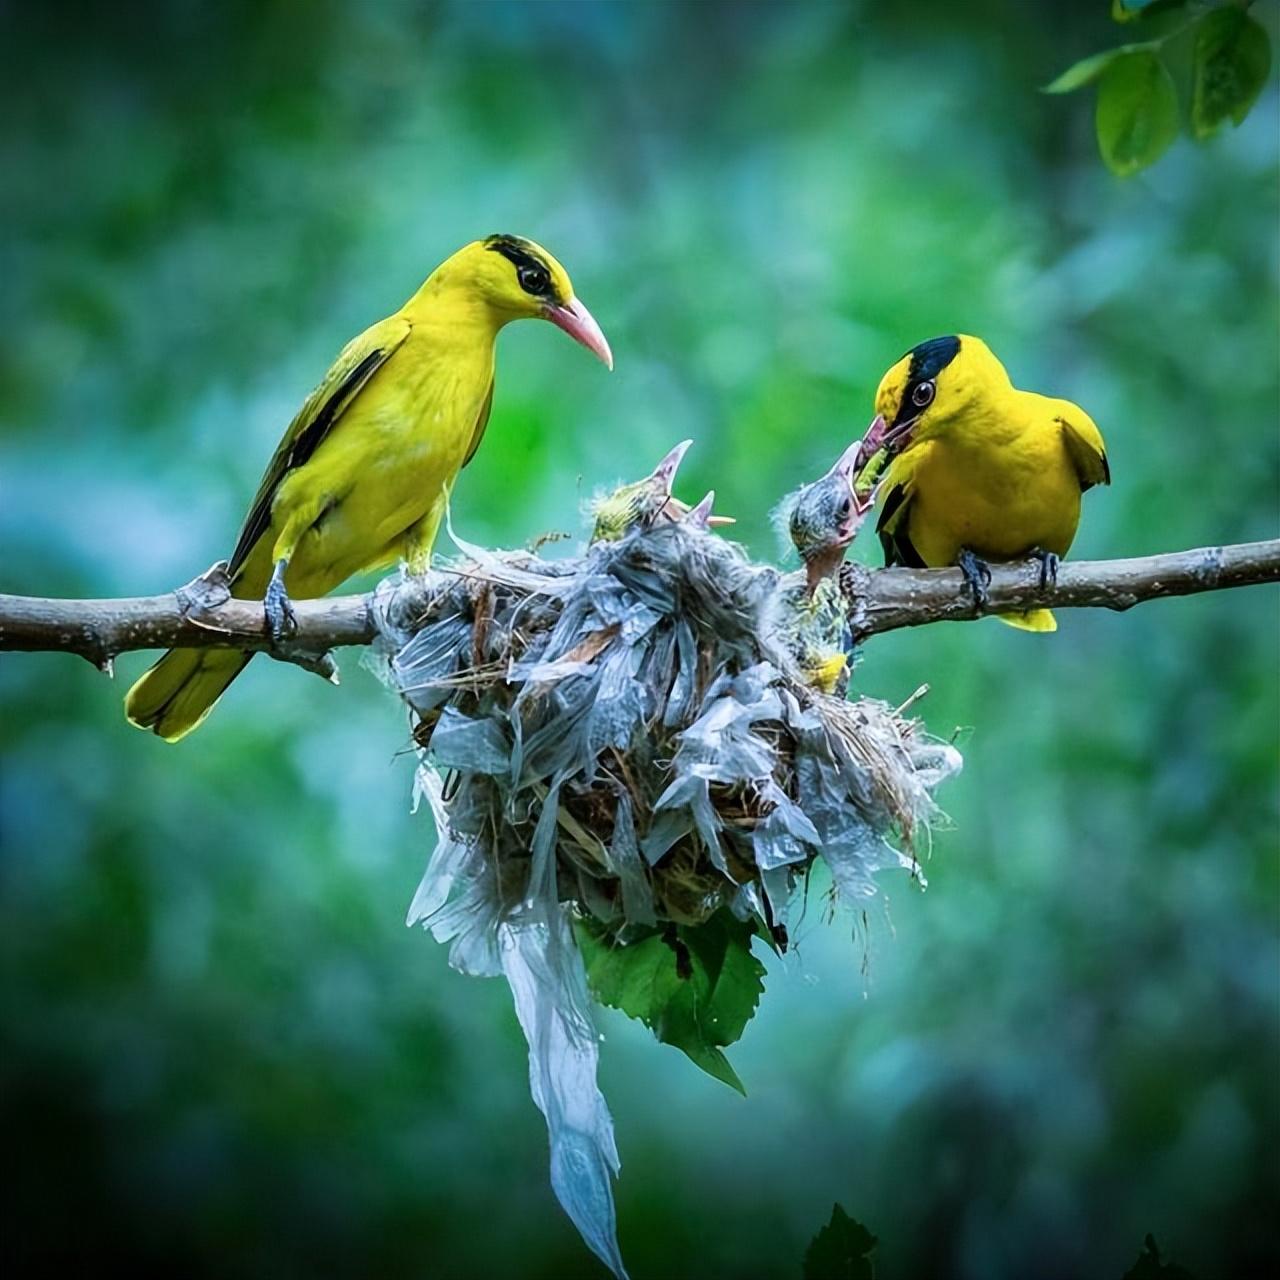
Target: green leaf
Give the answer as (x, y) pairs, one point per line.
(1089, 69)
(841, 1250)
(1132, 10)
(1084, 72)
(1137, 115)
(638, 979)
(695, 986)
(1232, 62)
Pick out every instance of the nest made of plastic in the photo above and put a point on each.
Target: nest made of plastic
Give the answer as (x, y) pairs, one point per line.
(627, 730)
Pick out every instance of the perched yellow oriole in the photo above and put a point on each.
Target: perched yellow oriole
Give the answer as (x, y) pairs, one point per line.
(363, 474)
(980, 470)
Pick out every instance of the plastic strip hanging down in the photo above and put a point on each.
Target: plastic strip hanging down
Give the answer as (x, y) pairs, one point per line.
(549, 985)
(532, 946)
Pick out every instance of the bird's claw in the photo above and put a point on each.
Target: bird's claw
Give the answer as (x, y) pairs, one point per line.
(977, 576)
(1049, 562)
(282, 626)
(282, 619)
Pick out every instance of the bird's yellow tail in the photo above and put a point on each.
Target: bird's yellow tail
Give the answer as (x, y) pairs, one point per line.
(179, 691)
(1032, 620)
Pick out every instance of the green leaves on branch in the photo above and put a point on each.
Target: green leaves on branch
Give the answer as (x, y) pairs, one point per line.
(1232, 62)
(1137, 112)
(694, 986)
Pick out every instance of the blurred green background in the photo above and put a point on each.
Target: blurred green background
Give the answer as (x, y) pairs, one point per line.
(221, 1052)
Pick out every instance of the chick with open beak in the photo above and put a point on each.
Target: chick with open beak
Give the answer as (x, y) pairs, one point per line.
(638, 505)
(647, 502)
(823, 517)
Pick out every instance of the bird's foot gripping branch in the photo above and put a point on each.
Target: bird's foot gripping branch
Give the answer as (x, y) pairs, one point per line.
(630, 776)
(201, 599)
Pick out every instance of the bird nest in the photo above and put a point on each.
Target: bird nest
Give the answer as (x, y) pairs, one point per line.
(626, 731)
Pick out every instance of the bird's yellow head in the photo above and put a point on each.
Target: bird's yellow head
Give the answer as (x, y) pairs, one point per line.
(517, 279)
(934, 385)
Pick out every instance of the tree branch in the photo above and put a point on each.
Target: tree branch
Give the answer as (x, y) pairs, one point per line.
(204, 615)
(886, 599)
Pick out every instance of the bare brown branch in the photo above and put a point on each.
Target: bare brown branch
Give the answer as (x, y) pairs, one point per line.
(203, 615)
(886, 599)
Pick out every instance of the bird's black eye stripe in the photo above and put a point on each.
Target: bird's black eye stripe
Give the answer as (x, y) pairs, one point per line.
(917, 397)
(532, 273)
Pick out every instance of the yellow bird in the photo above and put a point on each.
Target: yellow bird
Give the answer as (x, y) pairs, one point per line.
(980, 470)
(363, 474)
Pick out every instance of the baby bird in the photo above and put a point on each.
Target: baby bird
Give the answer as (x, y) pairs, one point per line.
(637, 505)
(980, 470)
(822, 519)
(648, 502)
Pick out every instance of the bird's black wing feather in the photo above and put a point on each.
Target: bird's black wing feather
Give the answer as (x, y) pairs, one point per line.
(892, 529)
(358, 362)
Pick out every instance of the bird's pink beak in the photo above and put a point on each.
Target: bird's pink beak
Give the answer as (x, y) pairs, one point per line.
(876, 438)
(894, 439)
(581, 326)
(877, 434)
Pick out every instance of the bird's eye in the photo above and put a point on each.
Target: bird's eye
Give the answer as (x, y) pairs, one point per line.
(846, 505)
(922, 394)
(534, 279)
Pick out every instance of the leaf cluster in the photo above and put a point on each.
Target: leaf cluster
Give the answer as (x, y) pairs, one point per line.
(1138, 115)
(694, 986)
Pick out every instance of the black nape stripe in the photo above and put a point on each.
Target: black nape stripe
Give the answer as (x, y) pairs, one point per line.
(516, 250)
(930, 358)
(531, 267)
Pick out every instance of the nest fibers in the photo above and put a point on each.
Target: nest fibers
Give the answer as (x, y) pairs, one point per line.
(624, 735)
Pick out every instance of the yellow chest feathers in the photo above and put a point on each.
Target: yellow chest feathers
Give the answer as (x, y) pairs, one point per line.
(1000, 495)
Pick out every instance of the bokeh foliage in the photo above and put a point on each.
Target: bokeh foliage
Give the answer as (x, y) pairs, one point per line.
(1224, 51)
(221, 1053)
